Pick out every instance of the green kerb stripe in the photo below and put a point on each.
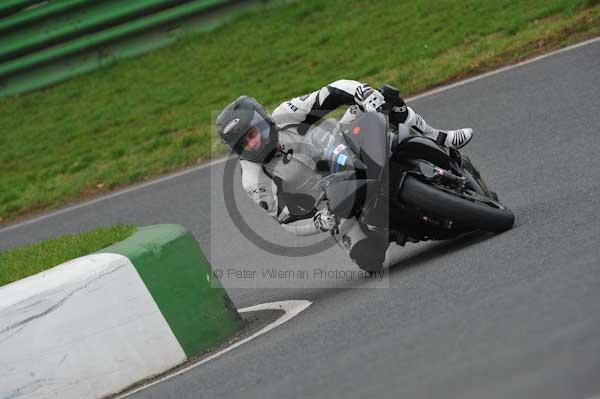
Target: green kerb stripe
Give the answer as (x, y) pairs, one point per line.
(177, 274)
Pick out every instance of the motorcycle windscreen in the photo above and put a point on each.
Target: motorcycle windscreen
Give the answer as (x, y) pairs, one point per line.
(367, 137)
(347, 194)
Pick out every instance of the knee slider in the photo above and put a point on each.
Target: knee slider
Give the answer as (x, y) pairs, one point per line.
(368, 254)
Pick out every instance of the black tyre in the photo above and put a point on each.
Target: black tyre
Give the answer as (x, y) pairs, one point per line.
(461, 210)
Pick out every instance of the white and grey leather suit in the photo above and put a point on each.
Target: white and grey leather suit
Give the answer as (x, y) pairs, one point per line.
(304, 139)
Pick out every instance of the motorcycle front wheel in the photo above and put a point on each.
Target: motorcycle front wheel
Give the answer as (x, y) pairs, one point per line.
(472, 211)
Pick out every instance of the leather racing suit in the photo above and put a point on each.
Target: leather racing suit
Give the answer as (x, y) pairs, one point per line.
(304, 140)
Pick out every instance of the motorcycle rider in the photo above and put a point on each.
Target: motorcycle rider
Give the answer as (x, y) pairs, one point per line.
(278, 154)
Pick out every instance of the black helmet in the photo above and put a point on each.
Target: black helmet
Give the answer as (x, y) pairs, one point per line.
(238, 118)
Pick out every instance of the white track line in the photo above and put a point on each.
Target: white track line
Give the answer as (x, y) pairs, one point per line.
(221, 160)
(291, 308)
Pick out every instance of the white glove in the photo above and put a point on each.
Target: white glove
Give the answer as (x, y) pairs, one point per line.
(368, 98)
(324, 220)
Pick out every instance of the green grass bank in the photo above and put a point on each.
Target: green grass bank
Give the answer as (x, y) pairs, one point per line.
(140, 118)
(28, 260)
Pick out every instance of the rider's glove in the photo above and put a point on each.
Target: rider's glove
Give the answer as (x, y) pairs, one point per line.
(324, 220)
(368, 98)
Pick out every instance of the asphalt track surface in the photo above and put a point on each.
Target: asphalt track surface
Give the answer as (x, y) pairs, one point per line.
(515, 315)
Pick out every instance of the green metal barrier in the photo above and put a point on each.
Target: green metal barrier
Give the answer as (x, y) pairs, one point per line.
(8, 7)
(35, 15)
(45, 38)
(95, 17)
(104, 36)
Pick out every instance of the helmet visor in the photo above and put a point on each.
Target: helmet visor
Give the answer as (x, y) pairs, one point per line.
(250, 144)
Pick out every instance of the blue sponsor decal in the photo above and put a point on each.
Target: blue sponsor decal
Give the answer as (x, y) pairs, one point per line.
(341, 161)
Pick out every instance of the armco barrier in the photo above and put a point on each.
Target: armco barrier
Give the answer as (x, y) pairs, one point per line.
(8, 7)
(33, 15)
(97, 324)
(44, 36)
(62, 28)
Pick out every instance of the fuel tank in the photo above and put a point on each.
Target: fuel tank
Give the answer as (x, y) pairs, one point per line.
(419, 147)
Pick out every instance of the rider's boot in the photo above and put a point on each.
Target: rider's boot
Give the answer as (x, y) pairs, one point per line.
(450, 138)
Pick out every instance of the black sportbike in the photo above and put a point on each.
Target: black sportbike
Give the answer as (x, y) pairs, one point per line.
(408, 183)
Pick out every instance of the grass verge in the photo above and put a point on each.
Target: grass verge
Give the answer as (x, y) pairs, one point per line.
(144, 117)
(21, 262)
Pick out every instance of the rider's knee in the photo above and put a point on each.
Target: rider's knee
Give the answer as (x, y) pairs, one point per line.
(369, 253)
(399, 112)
